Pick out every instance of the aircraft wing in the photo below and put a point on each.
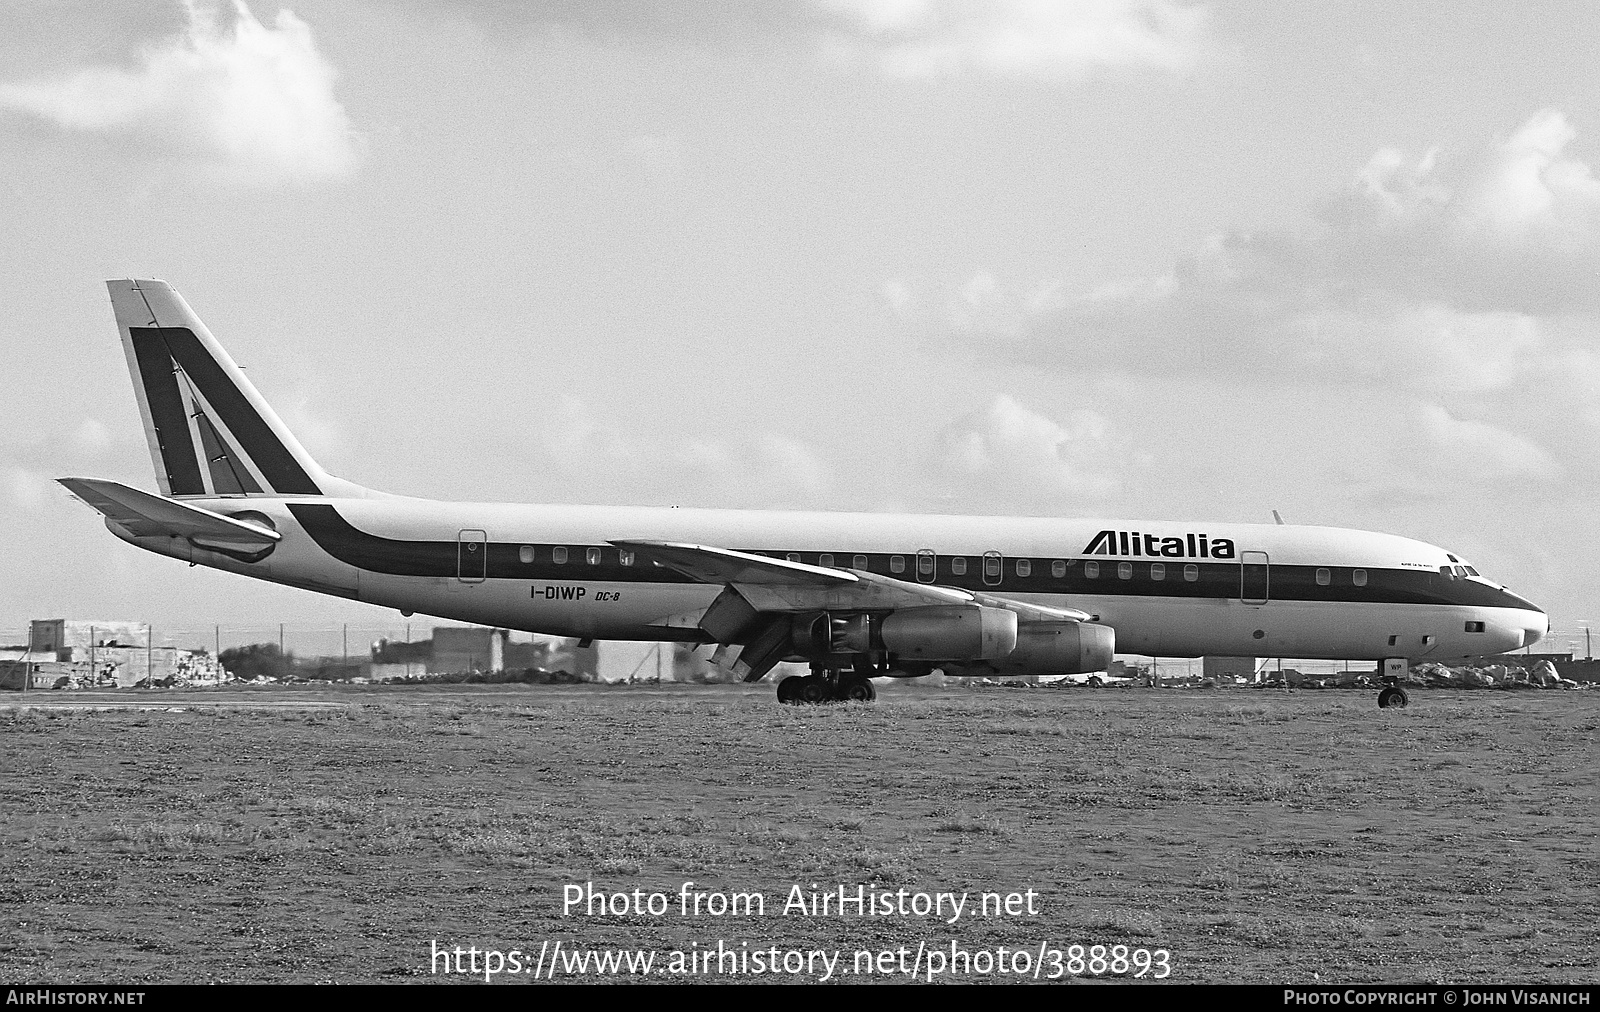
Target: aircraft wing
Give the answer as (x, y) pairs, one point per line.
(719, 565)
(144, 515)
(761, 596)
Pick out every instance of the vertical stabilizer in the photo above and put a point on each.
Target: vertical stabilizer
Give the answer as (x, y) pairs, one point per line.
(210, 432)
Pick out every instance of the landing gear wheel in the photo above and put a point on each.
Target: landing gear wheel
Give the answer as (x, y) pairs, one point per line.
(814, 690)
(858, 690)
(789, 690)
(1393, 696)
(1094, 682)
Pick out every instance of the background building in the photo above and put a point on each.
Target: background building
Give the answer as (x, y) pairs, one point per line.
(73, 653)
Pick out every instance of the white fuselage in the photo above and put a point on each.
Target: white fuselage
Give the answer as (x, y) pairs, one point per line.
(1277, 591)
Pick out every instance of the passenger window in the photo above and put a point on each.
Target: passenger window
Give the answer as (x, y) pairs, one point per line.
(958, 566)
(825, 559)
(994, 569)
(1158, 571)
(1058, 569)
(624, 558)
(1474, 627)
(858, 562)
(525, 554)
(1024, 567)
(1359, 577)
(593, 555)
(1191, 572)
(558, 555)
(925, 563)
(1324, 577)
(1091, 570)
(793, 556)
(1124, 570)
(897, 563)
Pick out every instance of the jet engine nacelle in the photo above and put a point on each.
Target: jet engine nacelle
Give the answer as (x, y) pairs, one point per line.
(1062, 648)
(957, 633)
(1052, 648)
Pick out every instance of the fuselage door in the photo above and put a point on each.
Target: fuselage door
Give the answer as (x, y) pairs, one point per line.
(1254, 577)
(927, 565)
(472, 550)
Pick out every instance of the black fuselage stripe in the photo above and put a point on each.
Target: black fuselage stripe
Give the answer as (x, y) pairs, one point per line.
(1216, 580)
(256, 438)
(167, 412)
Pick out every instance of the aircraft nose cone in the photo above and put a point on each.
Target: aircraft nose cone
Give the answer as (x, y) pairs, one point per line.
(1534, 627)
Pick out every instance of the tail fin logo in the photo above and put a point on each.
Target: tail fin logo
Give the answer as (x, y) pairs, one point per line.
(200, 416)
(210, 432)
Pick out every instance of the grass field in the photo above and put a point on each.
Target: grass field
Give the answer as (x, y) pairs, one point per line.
(329, 835)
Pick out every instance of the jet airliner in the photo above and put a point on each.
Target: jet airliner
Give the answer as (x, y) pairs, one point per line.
(856, 596)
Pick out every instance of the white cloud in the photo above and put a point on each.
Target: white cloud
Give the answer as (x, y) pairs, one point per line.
(900, 296)
(253, 99)
(1461, 446)
(786, 461)
(1423, 346)
(761, 468)
(1516, 227)
(1527, 183)
(1013, 450)
(321, 437)
(91, 436)
(1024, 38)
(29, 491)
(1420, 280)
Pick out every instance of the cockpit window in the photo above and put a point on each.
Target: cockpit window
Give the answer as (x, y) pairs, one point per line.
(1471, 571)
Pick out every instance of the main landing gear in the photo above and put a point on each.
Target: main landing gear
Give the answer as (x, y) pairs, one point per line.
(827, 686)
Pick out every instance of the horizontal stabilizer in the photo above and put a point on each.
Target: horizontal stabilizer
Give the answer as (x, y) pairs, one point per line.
(722, 565)
(143, 515)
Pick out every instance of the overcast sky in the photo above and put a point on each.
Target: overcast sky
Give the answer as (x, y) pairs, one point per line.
(1137, 258)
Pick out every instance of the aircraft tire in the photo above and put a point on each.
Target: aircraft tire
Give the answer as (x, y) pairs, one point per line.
(1094, 682)
(814, 690)
(1393, 696)
(858, 690)
(789, 690)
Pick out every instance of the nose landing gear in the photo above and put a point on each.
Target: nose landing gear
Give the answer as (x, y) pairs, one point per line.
(1394, 669)
(1393, 696)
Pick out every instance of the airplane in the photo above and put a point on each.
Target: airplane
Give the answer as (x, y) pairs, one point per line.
(854, 595)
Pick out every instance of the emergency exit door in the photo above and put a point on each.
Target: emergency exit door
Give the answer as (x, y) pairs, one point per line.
(472, 550)
(1254, 577)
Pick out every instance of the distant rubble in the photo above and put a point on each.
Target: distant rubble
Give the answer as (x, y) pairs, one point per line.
(1539, 674)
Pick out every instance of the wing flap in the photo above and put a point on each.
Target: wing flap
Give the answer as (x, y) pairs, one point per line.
(144, 515)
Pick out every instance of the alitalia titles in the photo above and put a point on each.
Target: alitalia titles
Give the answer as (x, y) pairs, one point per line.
(1190, 546)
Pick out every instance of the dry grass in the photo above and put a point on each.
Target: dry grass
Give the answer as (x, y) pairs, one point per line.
(1258, 837)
